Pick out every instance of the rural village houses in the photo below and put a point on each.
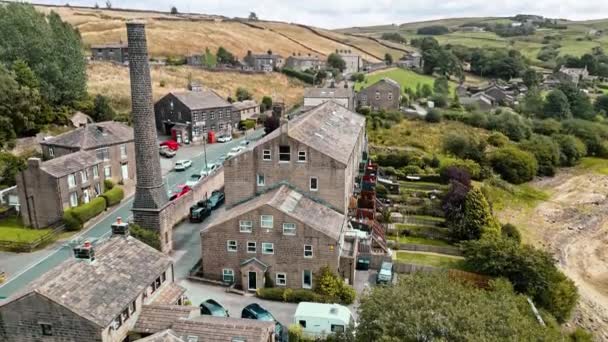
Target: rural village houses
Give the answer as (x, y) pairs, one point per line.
(382, 95)
(264, 62)
(353, 62)
(303, 62)
(248, 109)
(118, 52)
(343, 96)
(189, 115)
(287, 201)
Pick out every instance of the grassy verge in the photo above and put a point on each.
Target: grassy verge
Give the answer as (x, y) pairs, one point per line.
(519, 196)
(431, 260)
(595, 164)
(420, 241)
(407, 79)
(425, 231)
(11, 229)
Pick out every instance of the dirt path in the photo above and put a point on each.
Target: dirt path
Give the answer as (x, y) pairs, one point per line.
(573, 225)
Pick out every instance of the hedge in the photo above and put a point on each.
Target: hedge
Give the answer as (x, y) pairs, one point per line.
(302, 76)
(147, 236)
(70, 221)
(108, 184)
(89, 210)
(291, 296)
(113, 196)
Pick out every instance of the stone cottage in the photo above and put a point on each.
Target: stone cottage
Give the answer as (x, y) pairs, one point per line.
(382, 95)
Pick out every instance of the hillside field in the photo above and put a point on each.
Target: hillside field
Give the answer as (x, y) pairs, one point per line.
(407, 78)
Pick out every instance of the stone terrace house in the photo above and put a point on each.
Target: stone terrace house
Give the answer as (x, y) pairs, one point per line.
(117, 52)
(287, 201)
(48, 188)
(573, 75)
(111, 142)
(264, 62)
(194, 113)
(382, 95)
(96, 296)
(248, 109)
(354, 62)
(342, 96)
(302, 63)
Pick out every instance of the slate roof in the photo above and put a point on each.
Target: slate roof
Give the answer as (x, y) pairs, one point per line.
(110, 46)
(93, 136)
(224, 329)
(155, 318)
(99, 291)
(294, 204)
(328, 93)
(203, 99)
(162, 336)
(169, 294)
(244, 104)
(69, 163)
(79, 118)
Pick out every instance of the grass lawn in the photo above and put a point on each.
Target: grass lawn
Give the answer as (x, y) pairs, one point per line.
(424, 231)
(598, 165)
(431, 260)
(422, 185)
(420, 241)
(12, 229)
(522, 196)
(407, 78)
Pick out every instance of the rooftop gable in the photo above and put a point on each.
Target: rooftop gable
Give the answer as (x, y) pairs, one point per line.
(204, 99)
(69, 163)
(94, 135)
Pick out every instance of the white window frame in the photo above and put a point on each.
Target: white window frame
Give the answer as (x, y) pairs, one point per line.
(73, 199)
(265, 245)
(232, 246)
(260, 180)
(107, 171)
(277, 282)
(285, 153)
(227, 272)
(267, 155)
(289, 231)
(245, 223)
(86, 196)
(310, 249)
(71, 180)
(123, 148)
(96, 171)
(251, 244)
(300, 155)
(307, 286)
(390, 95)
(84, 176)
(51, 152)
(266, 218)
(317, 183)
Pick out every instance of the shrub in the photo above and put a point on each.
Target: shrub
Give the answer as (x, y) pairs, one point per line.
(302, 76)
(440, 101)
(108, 184)
(70, 221)
(498, 139)
(510, 124)
(477, 119)
(85, 212)
(511, 232)
(514, 165)
(246, 124)
(546, 126)
(545, 150)
(333, 287)
(296, 334)
(433, 30)
(291, 296)
(433, 116)
(271, 293)
(147, 236)
(464, 146)
(571, 149)
(472, 167)
(113, 196)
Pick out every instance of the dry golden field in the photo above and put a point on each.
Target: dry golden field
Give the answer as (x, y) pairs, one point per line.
(113, 81)
(182, 35)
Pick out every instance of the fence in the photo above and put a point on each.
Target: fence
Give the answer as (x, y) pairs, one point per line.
(20, 247)
(449, 250)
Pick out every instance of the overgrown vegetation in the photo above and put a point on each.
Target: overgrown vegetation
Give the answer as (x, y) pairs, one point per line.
(147, 236)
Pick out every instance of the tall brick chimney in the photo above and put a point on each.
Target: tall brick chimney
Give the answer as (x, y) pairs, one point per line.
(150, 194)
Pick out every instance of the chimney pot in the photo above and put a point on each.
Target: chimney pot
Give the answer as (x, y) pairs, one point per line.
(87, 244)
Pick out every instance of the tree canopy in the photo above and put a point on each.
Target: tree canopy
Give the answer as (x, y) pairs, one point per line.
(336, 61)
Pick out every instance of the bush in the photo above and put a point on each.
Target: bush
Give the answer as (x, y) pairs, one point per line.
(514, 165)
(147, 236)
(272, 293)
(545, 150)
(547, 126)
(296, 334)
(433, 116)
(511, 232)
(246, 124)
(85, 212)
(108, 184)
(571, 149)
(302, 76)
(498, 139)
(510, 124)
(282, 294)
(472, 167)
(464, 146)
(113, 196)
(440, 101)
(477, 119)
(70, 221)
(433, 30)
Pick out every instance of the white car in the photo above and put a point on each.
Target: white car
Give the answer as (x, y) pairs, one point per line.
(244, 143)
(235, 150)
(193, 180)
(182, 165)
(224, 138)
(209, 169)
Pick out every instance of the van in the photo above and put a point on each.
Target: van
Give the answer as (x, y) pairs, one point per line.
(385, 274)
(320, 320)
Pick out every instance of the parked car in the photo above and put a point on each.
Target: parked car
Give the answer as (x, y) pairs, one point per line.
(385, 274)
(217, 198)
(172, 144)
(182, 165)
(224, 138)
(166, 152)
(200, 211)
(244, 143)
(209, 169)
(213, 308)
(180, 191)
(256, 311)
(193, 180)
(234, 151)
(319, 320)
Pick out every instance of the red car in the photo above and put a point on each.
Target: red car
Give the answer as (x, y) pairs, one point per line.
(179, 192)
(171, 144)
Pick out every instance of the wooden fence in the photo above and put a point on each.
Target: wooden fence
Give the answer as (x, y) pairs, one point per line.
(20, 247)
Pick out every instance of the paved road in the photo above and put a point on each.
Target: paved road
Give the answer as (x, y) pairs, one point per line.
(47, 259)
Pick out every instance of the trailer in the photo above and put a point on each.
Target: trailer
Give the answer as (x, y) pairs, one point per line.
(320, 320)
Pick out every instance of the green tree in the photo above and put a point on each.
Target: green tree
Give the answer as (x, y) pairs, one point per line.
(20, 108)
(441, 86)
(464, 146)
(224, 56)
(435, 307)
(102, 110)
(547, 126)
(531, 78)
(545, 150)
(533, 102)
(253, 16)
(509, 231)
(601, 104)
(10, 166)
(388, 58)
(477, 218)
(433, 116)
(24, 75)
(332, 286)
(426, 91)
(556, 106)
(510, 124)
(242, 94)
(514, 165)
(174, 10)
(580, 104)
(266, 103)
(336, 61)
(571, 149)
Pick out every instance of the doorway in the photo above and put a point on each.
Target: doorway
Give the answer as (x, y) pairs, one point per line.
(253, 282)
(125, 171)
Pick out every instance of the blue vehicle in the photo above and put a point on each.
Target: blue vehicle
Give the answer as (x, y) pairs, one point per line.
(256, 311)
(212, 308)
